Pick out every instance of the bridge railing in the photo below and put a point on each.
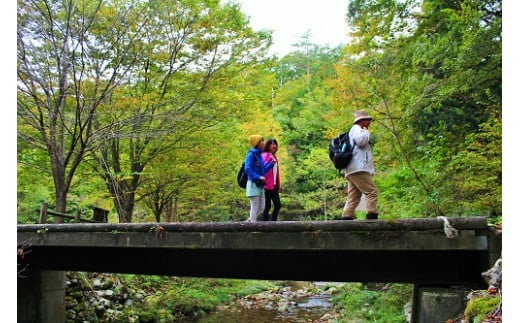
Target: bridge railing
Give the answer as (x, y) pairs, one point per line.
(100, 215)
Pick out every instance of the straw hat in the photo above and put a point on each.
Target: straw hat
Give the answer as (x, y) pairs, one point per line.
(361, 115)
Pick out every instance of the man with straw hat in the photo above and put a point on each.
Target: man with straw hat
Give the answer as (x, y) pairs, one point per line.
(360, 170)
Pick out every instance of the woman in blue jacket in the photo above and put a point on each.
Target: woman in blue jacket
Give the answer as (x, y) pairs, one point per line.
(255, 170)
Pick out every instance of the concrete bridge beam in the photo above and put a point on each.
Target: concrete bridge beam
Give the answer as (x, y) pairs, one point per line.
(415, 251)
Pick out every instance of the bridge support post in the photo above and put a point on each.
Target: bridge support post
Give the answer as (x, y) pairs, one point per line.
(437, 304)
(41, 296)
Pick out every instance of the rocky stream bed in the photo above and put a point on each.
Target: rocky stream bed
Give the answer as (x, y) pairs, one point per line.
(102, 298)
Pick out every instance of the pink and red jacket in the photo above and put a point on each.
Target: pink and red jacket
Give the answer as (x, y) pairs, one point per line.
(270, 181)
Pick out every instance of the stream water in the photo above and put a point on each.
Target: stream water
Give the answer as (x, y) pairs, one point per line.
(291, 304)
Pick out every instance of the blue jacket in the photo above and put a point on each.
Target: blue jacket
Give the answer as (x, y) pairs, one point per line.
(254, 165)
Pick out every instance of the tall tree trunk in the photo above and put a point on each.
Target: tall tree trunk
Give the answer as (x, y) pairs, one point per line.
(169, 211)
(124, 198)
(61, 203)
(61, 184)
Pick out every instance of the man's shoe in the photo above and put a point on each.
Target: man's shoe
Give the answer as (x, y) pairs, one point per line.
(372, 216)
(347, 218)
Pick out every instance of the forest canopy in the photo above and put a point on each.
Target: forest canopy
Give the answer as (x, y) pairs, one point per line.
(144, 108)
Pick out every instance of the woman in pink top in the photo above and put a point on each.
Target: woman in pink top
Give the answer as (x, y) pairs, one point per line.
(272, 186)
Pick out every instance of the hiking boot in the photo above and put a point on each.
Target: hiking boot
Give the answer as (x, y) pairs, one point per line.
(372, 216)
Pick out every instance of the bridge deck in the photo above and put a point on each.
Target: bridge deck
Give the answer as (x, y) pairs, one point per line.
(408, 250)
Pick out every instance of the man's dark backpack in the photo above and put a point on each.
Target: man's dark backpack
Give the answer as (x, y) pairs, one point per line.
(340, 151)
(242, 177)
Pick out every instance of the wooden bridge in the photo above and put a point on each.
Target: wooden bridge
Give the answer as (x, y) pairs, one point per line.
(424, 252)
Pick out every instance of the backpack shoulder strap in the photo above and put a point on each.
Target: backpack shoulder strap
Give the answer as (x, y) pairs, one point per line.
(352, 142)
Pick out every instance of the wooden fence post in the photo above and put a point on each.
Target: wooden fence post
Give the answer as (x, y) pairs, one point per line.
(43, 213)
(100, 215)
(77, 218)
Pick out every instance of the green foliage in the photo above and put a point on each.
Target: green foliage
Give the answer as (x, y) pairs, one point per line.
(444, 63)
(168, 142)
(33, 187)
(480, 154)
(399, 197)
(373, 304)
(478, 309)
(172, 297)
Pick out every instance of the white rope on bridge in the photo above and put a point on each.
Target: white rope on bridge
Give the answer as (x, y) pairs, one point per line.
(449, 231)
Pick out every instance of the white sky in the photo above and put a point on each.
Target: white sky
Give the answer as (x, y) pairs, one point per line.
(291, 19)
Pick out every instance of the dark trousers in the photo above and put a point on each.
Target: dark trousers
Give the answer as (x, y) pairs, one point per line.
(274, 197)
